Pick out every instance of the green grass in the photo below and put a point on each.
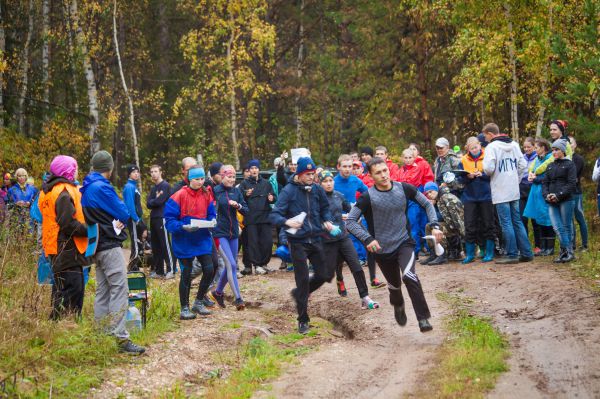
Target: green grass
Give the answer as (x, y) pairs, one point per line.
(471, 359)
(65, 358)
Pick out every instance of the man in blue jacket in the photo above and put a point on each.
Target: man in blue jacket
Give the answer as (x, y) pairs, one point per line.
(302, 195)
(136, 226)
(103, 207)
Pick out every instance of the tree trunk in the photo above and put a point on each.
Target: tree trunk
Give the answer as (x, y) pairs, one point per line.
(232, 105)
(422, 86)
(299, 64)
(2, 56)
(46, 54)
(25, 69)
(126, 90)
(514, 122)
(91, 82)
(544, 83)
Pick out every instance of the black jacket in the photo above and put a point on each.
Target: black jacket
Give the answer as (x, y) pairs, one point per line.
(560, 179)
(338, 205)
(258, 202)
(579, 163)
(68, 256)
(157, 204)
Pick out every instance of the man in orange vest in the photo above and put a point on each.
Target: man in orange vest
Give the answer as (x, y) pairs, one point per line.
(64, 236)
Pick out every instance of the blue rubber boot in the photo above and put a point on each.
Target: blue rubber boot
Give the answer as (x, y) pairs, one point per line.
(489, 251)
(470, 250)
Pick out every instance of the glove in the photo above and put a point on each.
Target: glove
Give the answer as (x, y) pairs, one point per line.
(336, 231)
(189, 228)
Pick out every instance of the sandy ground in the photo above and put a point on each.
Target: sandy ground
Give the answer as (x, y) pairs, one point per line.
(550, 319)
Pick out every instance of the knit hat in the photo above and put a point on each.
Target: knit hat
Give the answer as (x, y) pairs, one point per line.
(196, 172)
(64, 166)
(430, 186)
(215, 168)
(561, 145)
(366, 150)
(562, 125)
(482, 140)
(325, 174)
(102, 161)
(305, 164)
(254, 162)
(7, 176)
(442, 142)
(131, 168)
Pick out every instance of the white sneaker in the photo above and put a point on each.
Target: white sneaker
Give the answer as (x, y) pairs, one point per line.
(169, 276)
(240, 275)
(260, 270)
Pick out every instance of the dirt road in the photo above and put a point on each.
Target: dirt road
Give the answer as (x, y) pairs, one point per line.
(551, 322)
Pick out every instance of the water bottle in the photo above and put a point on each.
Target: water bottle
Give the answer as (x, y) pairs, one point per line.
(439, 250)
(133, 319)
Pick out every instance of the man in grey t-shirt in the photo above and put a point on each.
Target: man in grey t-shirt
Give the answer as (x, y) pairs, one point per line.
(388, 237)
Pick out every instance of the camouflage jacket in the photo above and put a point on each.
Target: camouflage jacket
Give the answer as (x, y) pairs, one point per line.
(451, 210)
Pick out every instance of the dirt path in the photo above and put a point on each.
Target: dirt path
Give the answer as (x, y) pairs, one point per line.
(551, 321)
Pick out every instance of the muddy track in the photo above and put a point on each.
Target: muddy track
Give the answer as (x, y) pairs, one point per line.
(550, 319)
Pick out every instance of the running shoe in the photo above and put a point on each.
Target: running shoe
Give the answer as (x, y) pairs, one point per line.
(200, 308)
(375, 283)
(218, 298)
(239, 304)
(260, 270)
(169, 276)
(342, 288)
(369, 304)
(154, 275)
(303, 327)
(425, 326)
(186, 314)
(400, 315)
(247, 271)
(207, 302)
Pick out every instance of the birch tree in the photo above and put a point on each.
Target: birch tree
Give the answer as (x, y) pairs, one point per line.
(3, 65)
(92, 92)
(514, 121)
(125, 88)
(299, 66)
(25, 68)
(46, 53)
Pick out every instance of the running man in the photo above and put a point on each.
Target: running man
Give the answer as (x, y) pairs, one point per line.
(384, 207)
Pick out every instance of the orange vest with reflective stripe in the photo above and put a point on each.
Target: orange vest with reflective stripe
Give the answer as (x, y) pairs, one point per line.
(50, 228)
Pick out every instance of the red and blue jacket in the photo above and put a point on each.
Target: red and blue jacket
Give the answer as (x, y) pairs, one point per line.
(183, 206)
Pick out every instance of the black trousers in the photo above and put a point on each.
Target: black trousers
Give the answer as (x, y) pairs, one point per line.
(479, 222)
(398, 267)
(161, 247)
(67, 292)
(301, 252)
(185, 281)
(135, 258)
(260, 243)
(244, 247)
(338, 252)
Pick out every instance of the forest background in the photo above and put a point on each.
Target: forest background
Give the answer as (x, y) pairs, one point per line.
(153, 81)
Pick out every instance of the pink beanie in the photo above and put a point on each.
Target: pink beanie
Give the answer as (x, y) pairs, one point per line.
(64, 166)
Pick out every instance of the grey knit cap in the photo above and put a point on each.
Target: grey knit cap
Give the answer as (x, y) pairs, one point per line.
(560, 144)
(102, 161)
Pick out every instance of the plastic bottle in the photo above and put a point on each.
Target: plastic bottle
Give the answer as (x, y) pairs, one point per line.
(439, 250)
(133, 319)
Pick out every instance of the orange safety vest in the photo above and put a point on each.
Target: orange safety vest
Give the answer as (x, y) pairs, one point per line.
(50, 228)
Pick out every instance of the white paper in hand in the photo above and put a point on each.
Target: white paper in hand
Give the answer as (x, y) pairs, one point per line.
(203, 224)
(115, 222)
(299, 153)
(299, 218)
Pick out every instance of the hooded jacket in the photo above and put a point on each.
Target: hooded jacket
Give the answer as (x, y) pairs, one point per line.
(560, 179)
(296, 198)
(503, 161)
(183, 206)
(349, 187)
(258, 202)
(426, 169)
(411, 174)
(227, 222)
(133, 200)
(101, 205)
(64, 233)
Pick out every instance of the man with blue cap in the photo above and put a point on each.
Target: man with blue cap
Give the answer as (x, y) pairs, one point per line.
(303, 210)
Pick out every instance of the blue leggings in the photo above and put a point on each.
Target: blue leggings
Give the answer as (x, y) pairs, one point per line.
(228, 248)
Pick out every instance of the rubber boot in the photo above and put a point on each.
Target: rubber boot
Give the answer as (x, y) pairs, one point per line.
(470, 250)
(490, 245)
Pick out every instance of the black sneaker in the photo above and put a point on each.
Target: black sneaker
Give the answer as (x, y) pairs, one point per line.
(200, 308)
(424, 326)
(220, 299)
(207, 302)
(303, 327)
(400, 315)
(440, 260)
(525, 258)
(431, 258)
(130, 348)
(247, 271)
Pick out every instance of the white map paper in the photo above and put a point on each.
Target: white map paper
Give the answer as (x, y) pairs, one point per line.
(300, 218)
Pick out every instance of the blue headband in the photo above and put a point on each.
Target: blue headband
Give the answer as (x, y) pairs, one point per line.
(196, 173)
